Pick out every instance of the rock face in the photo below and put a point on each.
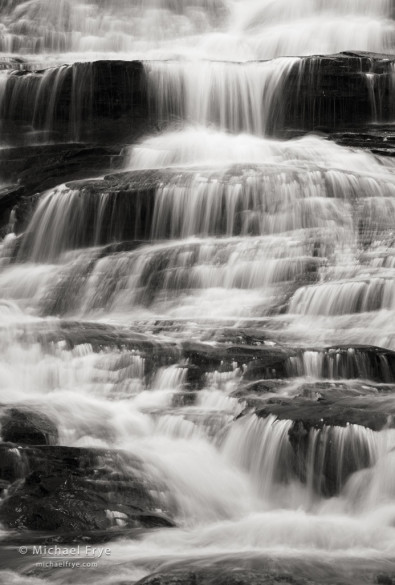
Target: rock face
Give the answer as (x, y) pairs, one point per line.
(310, 414)
(223, 577)
(102, 101)
(339, 91)
(263, 572)
(27, 427)
(68, 490)
(109, 101)
(29, 170)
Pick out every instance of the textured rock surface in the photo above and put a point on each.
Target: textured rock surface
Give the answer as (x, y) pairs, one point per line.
(68, 490)
(27, 427)
(329, 92)
(320, 92)
(29, 170)
(109, 105)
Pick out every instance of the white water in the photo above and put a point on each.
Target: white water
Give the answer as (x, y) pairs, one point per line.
(292, 237)
(219, 29)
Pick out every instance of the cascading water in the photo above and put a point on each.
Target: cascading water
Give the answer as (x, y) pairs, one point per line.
(230, 30)
(209, 331)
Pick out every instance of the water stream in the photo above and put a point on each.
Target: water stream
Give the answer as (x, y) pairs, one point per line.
(294, 238)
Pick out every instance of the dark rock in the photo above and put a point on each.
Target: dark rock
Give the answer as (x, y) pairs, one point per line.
(345, 362)
(236, 336)
(9, 197)
(385, 579)
(328, 447)
(326, 412)
(40, 167)
(361, 361)
(180, 399)
(27, 427)
(268, 571)
(13, 463)
(332, 91)
(253, 394)
(37, 168)
(271, 362)
(223, 576)
(69, 490)
(379, 139)
(319, 93)
(110, 105)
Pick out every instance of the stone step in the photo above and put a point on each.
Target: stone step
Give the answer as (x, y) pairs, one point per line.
(114, 100)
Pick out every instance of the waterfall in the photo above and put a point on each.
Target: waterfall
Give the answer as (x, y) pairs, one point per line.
(248, 29)
(197, 299)
(239, 99)
(323, 460)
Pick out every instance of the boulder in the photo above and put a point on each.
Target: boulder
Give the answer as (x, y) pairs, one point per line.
(67, 490)
(27, 427)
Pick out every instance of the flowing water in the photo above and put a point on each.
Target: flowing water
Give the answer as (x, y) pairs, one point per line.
(294, 238)
(221, 29)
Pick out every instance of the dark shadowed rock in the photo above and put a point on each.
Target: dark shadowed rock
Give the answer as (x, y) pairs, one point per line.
(32, 169)
(223, 577)
(332, 430)
(332, 91)
(69, 490)
(111, 103)
(321, 92)
(27, 427)
(13, 463)
(326, 412)
(266, 573)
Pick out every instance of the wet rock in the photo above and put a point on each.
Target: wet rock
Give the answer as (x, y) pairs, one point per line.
(257, 362)
(362, 361)
(332, 91)
(349, 362)
(129, 206)
(36, 168)
(69, 490)
(180, 399)
(9, 197)
(27, 427)
(331, 436)
(379, 139)
(271, 362)
(217, 576)
(385, 579)
(13, 464)
(237, 336)
(324, 93)
(253, 394)
(40, 167)
(11, 62)
(326, 412)
(265, 571)
(111, 103)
